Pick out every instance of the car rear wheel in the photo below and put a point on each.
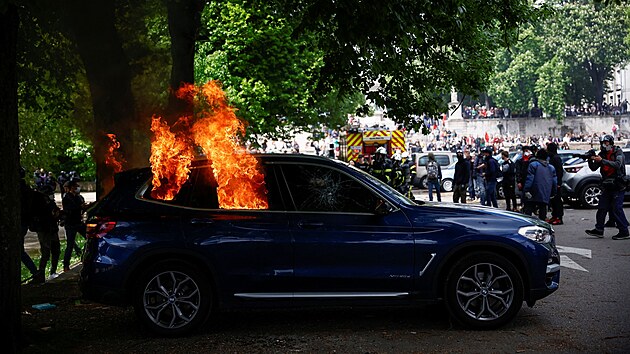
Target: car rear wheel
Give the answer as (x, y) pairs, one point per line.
(484, 290)
(172, 298)
(424, 183)
(447, 185)
(589, 197)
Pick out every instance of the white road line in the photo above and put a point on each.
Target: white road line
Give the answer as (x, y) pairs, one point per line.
(584, 252)
(565, 261)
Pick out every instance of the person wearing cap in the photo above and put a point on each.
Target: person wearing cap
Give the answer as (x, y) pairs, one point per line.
(461, 176)
(362, 163)
(611, 164)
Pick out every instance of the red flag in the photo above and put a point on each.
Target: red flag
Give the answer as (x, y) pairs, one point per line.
(487, 137)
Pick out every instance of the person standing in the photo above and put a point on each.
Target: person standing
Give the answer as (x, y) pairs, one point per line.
(557, 207)
(611, 164)
(44, 223)
(471, 180)
(381, 166)
(460, 178)
(540, 185)
(521, 171)
(26, 199)
(73, 207)
(434, 175)
(490, 167)
(478, 170)
(362, 163)
(508, 170)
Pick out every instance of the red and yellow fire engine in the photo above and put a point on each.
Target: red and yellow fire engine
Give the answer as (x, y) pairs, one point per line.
(367, 141)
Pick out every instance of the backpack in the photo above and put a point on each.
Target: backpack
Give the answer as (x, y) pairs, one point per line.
(432, 170)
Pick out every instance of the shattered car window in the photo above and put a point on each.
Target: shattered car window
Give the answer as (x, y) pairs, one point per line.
(318, 188)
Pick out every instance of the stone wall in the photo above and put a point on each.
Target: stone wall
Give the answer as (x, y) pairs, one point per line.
(539, 126)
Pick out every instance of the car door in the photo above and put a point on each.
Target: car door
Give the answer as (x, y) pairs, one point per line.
(250, 251)
(341, 246)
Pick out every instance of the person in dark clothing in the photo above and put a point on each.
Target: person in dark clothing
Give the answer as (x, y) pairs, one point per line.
(362, 164)
(611, 164)
(73, 207)
(521, 170)
(480, 187)
(557, 208)
(26, 196)
(490, 167)
(44, 223)
(540, 185)
(471, 183)
(509, 179)
(460, 178)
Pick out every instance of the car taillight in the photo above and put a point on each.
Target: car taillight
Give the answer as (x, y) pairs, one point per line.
(99, 229)
(573, 169)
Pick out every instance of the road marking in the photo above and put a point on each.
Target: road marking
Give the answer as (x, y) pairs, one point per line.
(567, 262)
(584, 252)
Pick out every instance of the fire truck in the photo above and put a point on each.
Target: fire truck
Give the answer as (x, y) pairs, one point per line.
(366, 141)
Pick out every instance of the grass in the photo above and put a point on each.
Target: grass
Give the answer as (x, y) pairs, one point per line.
(26, 274)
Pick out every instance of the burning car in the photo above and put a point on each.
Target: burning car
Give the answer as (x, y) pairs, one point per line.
(320, 233)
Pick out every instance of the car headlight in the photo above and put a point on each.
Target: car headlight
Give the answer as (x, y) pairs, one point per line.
(536, 233)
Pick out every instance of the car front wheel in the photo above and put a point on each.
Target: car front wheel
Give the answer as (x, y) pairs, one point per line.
(484, 290)
(172, 298)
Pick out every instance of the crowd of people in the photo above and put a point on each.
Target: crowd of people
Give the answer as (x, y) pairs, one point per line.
(532, 184)
(42, 215)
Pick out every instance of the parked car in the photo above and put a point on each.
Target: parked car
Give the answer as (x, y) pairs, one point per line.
(443, 158)
(581, 186)
(331, 235)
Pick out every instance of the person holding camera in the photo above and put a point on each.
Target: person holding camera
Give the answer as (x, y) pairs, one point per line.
(611, 164)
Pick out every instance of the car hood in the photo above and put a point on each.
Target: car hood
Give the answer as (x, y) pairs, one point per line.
(474, 218)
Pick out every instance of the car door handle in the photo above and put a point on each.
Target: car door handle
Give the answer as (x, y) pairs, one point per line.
(201, 221)
(310, 224)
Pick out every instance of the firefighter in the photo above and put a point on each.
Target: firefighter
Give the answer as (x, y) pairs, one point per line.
(381, 166)
(406, 166)
(396, 176)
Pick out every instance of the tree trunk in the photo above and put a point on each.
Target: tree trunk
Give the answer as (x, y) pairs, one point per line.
(109, 77)
(597, 74)
(10, 290)
(184, 18)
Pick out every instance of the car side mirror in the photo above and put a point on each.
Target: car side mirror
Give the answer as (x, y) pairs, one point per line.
(383, 207)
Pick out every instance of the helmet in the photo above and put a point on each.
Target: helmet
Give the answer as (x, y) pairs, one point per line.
(397, 157)
(404, 155)
(609, 138)
(381, 150)
(459, 151)
(488, 149)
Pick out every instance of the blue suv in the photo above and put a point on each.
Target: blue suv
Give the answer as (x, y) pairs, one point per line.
(331, 235)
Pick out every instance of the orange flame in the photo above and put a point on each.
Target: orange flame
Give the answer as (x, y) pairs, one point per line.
(114, 158)
(241, 185)
(171, 155)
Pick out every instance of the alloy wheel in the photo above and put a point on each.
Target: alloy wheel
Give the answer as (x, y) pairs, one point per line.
(171, 299)
(485, 291)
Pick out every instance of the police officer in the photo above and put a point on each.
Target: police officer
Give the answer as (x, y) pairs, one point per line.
(611, 164)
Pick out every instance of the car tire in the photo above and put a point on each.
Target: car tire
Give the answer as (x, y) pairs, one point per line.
(173, 298)
(589, 195)
(484, 290)
(447, 185)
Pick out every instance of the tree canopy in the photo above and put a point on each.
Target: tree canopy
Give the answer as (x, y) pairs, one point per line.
(564, 59)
